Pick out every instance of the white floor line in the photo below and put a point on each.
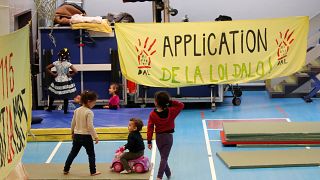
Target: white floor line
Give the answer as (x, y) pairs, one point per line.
(288, 120)
(53, 152)
(245, 119)
(215, 140)
(214, 129)
(153, 159)
(206, 137)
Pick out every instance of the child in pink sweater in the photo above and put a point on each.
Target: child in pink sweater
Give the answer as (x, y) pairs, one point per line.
(114, 99)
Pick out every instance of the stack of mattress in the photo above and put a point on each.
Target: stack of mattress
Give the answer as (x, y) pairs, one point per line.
(274, 158)
(270, 133)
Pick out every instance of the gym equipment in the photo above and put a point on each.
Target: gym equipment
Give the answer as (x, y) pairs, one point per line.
(94, 63)
(316, 88)
(236, 93)
(270, 159)
(36, 120)
(244, 142)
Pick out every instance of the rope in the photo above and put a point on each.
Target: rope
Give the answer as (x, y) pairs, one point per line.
(46, 10)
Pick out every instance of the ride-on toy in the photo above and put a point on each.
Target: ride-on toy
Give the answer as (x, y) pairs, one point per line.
(139, 165)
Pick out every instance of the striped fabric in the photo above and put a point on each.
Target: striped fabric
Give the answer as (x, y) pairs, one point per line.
(62, 84)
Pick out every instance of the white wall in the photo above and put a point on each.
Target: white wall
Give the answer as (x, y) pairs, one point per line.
(5, 20)
(8, 14)
(208, 10)
(141, 11)
(18, 7)
(244, 9)
(9, 9)
(197, 10)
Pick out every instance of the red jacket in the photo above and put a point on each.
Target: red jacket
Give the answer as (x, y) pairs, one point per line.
(163, 124)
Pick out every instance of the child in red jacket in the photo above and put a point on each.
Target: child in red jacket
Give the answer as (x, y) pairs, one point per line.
(162, 118)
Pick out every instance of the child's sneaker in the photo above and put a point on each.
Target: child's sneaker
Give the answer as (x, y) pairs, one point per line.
(169, 177)
(96, 173)
(65, 172)
(125, 172)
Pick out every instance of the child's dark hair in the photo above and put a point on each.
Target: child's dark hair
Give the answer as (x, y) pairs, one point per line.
(117, 88)
(162, 98)
(138, 123)
(64, 54)
(88, 96)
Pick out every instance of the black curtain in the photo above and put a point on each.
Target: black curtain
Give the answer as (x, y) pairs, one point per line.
(115, 67)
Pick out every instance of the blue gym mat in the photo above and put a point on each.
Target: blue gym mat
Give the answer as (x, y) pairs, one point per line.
(102, 117)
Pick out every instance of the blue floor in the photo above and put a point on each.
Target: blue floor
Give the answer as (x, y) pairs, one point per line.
(189, 156)
(102, 117)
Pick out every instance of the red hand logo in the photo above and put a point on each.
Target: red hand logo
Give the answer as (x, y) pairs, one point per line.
(144, 53)
(283, 44)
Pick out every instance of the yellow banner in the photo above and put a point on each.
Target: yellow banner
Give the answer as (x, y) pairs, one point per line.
(15, 98)
(224, 52)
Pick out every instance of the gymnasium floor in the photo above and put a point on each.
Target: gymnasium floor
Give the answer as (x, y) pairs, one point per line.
(102, 117)
(196, 141)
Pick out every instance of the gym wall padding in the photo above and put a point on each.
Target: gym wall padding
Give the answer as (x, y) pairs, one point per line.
(152, 90)
(193, 91)
(197, 91)
(64, 134)
(63, 38)
(99, 52)
(98, 82)
(96, 52)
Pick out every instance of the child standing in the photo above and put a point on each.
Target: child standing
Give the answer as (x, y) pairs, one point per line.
(83, 132)
(62, 87)
(163, 117)
(135, 144)
(114, 100)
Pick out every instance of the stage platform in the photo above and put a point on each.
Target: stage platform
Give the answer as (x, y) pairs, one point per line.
(78, 171)
(109, 124)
